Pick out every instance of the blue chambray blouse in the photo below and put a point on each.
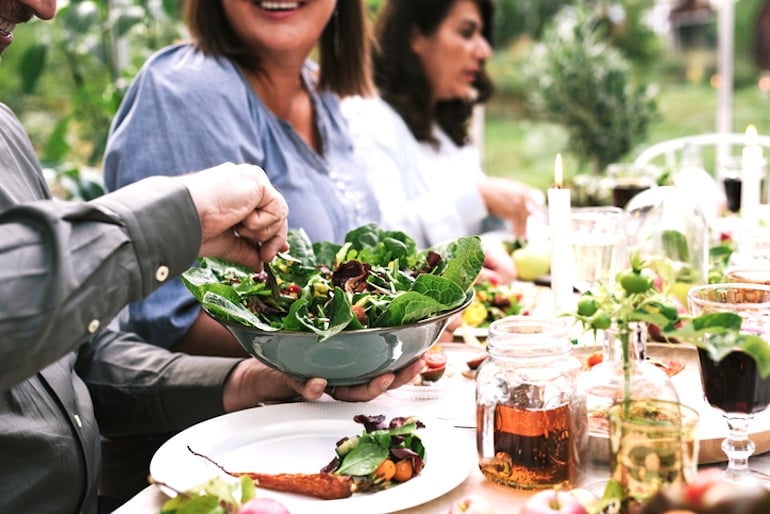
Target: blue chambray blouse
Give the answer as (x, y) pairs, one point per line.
(186, 111)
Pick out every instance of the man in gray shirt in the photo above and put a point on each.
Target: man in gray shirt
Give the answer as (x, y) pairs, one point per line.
(66, 269)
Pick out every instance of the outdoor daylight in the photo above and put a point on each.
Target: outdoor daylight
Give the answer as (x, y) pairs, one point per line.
(385, 256)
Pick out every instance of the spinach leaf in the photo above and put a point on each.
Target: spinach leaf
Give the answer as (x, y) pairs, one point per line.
(363, 459)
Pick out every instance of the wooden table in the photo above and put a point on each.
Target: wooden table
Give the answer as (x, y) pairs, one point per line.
(458, 409)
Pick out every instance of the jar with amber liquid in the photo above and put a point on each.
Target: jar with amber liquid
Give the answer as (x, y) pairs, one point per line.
(530, 419)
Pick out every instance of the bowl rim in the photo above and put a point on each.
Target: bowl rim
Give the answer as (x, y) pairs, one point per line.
(469, 296)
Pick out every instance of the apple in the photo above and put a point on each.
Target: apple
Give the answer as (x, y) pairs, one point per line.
(703, 480)
(739, 497)
(552, 500)
(584, 496)
(472, 504)
(531, 262)
(263, 506)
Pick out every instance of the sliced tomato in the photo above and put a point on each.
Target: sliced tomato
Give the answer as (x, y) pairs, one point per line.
(435, 357)
(292, 289)
(594, 359)
(432, 374)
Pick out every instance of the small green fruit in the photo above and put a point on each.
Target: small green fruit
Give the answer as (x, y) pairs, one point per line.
(531, 262)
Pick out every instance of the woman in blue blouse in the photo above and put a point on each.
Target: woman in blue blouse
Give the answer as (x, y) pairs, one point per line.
(243, 90)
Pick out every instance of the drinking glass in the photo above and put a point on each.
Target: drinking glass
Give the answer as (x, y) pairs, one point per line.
(749, 275)
(596, 241)
(653, 445)
(734, 385)
(629, 179)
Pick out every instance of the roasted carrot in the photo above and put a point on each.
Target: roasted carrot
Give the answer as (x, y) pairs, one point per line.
(319, 485)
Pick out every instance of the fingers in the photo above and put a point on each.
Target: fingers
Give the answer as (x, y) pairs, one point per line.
(267, 218)
(407, 374)
(238, 208)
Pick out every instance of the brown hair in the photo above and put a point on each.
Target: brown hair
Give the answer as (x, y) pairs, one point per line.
(343, 48)
(401, 79)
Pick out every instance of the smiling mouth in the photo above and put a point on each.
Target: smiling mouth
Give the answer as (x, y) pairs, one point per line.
(6, 27)
(279, 6)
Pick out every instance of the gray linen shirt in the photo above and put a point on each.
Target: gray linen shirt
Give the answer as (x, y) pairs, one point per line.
(66, 269)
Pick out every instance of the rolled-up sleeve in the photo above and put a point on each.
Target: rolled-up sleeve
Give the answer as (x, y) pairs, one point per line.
(68, 268)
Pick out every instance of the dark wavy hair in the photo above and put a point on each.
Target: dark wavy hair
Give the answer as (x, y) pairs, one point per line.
(343, 49)
(400, 77)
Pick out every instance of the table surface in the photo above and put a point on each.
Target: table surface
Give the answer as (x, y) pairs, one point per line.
(458, 408)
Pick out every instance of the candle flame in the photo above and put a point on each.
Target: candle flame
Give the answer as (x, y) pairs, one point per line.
(751, 133)
(558, 172)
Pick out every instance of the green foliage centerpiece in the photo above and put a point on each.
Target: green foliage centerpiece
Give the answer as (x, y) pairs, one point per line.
(634, 300)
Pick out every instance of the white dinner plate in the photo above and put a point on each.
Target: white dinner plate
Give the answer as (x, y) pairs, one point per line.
(300, 438)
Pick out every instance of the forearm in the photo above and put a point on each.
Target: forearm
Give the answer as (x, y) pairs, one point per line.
(209, 337)
(140, 389)
(69, 268)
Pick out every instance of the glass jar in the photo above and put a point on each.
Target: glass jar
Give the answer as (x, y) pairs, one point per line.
(530, 418)
(667, 228)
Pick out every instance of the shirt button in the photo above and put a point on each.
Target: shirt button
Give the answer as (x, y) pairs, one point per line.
(161, 274)
(93, 326)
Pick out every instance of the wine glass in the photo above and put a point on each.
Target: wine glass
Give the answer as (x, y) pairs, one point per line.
(628, 180)
(734, 385)
(596, 238)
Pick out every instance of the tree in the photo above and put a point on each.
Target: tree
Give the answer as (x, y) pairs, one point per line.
(579, 80)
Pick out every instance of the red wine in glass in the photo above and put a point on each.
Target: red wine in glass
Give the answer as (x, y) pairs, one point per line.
(622, 193)
(734, 384)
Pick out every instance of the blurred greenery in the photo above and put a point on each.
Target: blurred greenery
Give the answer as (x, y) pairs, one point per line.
(519, 145)
(65, 79)
(578, 78)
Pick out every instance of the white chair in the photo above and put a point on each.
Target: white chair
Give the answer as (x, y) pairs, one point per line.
(718, 154)
(672, 151)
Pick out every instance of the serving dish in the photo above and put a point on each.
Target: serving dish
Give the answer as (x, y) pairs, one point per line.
(346, 358)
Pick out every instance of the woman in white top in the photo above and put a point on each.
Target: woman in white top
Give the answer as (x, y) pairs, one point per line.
(429, 70)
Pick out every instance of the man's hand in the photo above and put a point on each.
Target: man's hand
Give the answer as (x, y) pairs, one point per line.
(252, 383)
(243, 217)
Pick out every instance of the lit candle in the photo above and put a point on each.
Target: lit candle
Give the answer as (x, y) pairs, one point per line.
(560, 222)
(751, 177)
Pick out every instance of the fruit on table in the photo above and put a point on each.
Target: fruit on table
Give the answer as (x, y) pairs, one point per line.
(709, 493)
(263, 506)
(435, 357)
(531, 262)
(432, 374)
(472, 504)
(476, 361)
(549, 501)
(435, 363)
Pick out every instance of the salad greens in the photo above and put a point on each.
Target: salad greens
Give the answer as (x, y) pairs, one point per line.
(377, 278)
(492, 301)
(219, 495)
(360, 456)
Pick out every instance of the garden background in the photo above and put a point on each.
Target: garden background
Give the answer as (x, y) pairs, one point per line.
(634, 85)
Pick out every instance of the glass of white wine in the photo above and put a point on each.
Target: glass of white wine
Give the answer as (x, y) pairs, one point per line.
(597, 236)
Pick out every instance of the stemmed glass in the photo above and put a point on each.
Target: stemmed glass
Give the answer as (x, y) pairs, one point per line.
(734, 385)
(596, 238)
